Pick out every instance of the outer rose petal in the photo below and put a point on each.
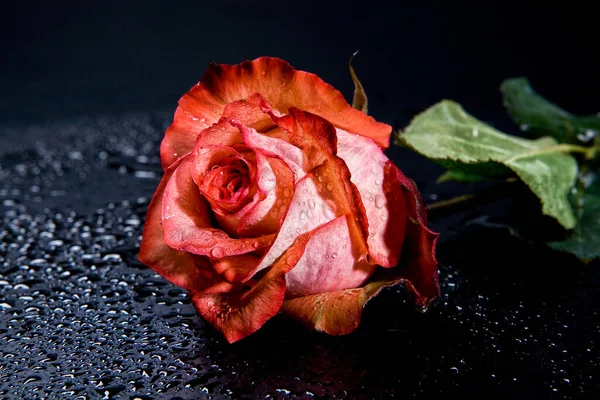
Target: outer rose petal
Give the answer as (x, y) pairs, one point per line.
(182, 135)
(187, 222)
(382, 195)
(339, 312)
(335, 313)
(238, 314)
(280, 84)
(186, 270)
(418, 264)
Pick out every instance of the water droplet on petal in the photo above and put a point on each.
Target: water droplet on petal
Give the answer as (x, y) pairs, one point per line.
(217, 252)
(334, 255)
(311, 203)
(379, 201)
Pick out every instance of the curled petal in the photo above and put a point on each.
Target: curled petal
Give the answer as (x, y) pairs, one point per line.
(276, 185)
(280, 84)
(381, 190)
(303, 140)
(229, 184)
(238, 314)
(274, 146)
(187, 221)
(249, 112)
(321, 196)
(222, 133)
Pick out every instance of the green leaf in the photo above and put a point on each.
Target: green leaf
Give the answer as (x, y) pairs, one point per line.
(538, 117)
(448, 135)
(359, 101)
(584, 240)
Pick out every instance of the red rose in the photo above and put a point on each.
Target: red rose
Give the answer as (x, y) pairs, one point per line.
(277, 197)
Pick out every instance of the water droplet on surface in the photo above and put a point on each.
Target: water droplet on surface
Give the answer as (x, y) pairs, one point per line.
(379, 201)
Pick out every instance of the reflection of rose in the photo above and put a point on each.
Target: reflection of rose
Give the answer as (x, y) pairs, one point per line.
(277, 197)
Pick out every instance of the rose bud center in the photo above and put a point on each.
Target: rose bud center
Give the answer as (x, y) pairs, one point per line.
(228, 184)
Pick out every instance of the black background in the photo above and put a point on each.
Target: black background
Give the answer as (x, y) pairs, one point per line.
(72, 58)
(94, 85)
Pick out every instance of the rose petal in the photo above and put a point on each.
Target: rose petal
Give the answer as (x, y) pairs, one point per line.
(249, 113)
(222, 133)
(280, 84)
(236, 269)
(276, 183)
(277, 147)
(186, 270)
(376, 178)
(241, 313)
(335, 313)
(321, 196)
(303, 140)
(216, 169)
(187, 221)
(418, 264)
(330, 264)
(181, 135)
(309, 131)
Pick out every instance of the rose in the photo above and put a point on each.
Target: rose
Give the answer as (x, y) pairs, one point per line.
(277, 197)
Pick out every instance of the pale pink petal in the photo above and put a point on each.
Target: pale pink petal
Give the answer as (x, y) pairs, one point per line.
(307, 211)
(331, 261)
(382, 195)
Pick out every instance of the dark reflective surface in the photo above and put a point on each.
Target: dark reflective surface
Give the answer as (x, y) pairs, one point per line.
(80, 317)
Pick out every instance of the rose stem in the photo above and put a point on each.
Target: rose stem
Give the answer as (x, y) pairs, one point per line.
(468, 201)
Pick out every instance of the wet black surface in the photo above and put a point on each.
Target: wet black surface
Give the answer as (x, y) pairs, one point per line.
(81, 318)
